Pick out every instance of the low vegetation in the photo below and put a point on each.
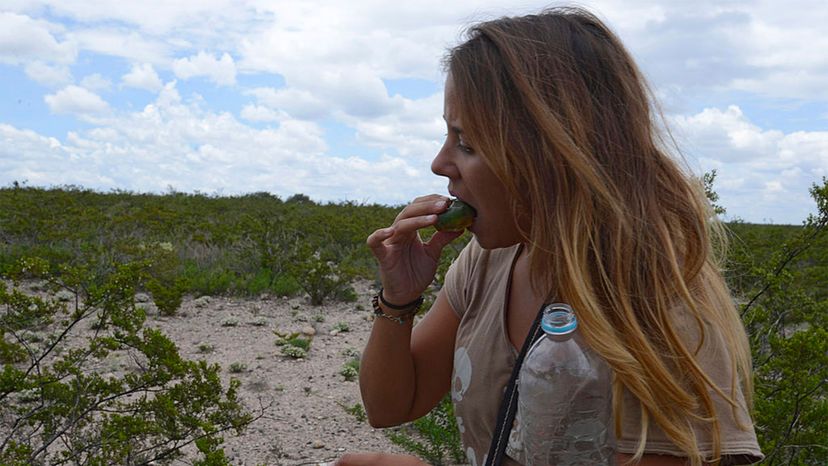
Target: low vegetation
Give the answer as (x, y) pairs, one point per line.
(73, 258)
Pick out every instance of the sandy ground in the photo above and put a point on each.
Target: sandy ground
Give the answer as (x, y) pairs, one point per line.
(304, 421)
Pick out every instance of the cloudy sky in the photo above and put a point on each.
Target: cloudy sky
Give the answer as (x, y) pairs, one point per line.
(343, 100)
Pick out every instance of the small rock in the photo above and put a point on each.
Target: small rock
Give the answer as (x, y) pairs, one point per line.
(317, 444)
(309, 331)
(141, 298)
(334, 333)
(65, 296)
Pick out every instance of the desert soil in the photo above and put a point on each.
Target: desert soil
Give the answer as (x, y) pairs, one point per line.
(302, 402)
(304, 420)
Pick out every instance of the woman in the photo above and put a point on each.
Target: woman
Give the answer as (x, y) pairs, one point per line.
(551, 139)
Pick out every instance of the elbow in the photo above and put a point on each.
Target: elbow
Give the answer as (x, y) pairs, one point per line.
(380, 421)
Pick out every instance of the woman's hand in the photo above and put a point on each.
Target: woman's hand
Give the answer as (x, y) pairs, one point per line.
(378, 459)
(407, 265)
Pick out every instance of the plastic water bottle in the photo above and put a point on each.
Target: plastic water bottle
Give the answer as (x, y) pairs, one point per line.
(565, 397)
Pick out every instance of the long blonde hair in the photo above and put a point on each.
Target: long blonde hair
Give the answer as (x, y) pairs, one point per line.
(564, 118)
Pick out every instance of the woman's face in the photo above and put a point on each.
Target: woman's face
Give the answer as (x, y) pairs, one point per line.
(472, 180)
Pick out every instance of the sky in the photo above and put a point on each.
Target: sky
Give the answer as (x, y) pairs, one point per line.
(342, 101)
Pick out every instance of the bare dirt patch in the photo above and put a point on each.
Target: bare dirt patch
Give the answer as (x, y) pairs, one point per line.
(304, 400)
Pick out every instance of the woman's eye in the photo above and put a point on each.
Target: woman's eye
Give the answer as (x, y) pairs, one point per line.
(463, 147)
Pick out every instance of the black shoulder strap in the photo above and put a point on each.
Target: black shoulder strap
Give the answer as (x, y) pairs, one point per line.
(508, 407)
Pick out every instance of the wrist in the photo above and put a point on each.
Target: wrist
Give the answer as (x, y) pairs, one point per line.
(397, 304)
(399, 313)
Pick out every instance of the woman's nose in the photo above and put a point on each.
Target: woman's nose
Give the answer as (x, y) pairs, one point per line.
(442, 165)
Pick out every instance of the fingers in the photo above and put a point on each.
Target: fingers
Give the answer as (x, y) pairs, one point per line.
(421, 213)
(375, 239)
(425, 205)
(412, 224)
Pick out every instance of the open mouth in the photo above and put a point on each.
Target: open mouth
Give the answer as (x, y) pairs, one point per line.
(457, 217)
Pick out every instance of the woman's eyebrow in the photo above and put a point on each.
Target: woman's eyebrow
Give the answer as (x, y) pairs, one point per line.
(454, 129)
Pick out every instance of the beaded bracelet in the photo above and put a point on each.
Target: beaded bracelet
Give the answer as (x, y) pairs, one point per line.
(410, 308)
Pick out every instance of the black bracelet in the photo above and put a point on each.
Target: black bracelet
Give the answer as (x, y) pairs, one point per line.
(400, 319)
(413, 305)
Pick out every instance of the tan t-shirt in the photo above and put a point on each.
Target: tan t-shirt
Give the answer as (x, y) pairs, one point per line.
(476, 287)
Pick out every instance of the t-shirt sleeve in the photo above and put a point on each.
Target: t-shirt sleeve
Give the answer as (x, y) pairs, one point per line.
(738, 438)
(458, 276)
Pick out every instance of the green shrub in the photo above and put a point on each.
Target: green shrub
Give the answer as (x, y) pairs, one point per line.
(299, 342)
(347, 294)
(166, 296)
(230, 322)
(350, 370)
(235, 245)
(259, 282)
(342, 327)
(319, 273)
(238, 367)
(292, 344)
(94, 419)
(209, 282)
(434, 437)
(206, 348)
(285, 285)
(294, 352)
(356, 410)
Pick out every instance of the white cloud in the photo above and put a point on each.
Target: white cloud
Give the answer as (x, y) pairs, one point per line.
(143, 76)
(762, 174)
(41, 160)
(297, 103)
(334, 57)
(76, 100)
(132, 45)
(48, 75)
(156, 17)
(221, 71)
(176, 143)
(414, 132)
(697, 47)
(23, 39)
(261, 113)
(332, 60)
(96, 82)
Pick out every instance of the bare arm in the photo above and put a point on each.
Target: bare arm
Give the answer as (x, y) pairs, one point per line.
(403, 374)
(379, 459)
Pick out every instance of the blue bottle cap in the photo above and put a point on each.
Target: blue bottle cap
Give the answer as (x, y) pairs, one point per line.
(559, 319)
